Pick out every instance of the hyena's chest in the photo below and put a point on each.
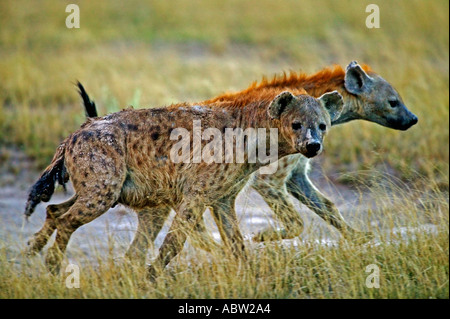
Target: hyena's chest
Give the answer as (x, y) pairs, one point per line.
(282, 168)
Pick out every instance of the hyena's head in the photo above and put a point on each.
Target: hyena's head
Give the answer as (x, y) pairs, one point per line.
(379, 102)
(305, 120)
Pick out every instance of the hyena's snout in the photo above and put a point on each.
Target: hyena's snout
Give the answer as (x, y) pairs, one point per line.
(403, 119)
(412, 121)
(313, 149)
(310, 144)
(310, 148)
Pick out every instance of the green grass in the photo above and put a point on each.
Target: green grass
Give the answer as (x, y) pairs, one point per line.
(155, 53)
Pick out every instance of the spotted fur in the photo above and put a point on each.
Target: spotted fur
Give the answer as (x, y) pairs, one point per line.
(124, 158)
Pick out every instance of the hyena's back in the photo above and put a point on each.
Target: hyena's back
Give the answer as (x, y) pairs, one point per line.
(130, 151)
(112, 153)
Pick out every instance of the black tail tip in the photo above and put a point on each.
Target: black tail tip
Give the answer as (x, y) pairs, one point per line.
(29, 209)
(42, 190)
(89, 105)
(81, 87)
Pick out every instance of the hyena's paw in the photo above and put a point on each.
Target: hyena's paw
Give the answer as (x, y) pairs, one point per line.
(53, 261)
(272, 234)
(34, 246)
(29, 250)
(133, 256)
(152, 274)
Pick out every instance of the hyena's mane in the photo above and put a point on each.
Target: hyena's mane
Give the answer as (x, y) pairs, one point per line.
(325, 80)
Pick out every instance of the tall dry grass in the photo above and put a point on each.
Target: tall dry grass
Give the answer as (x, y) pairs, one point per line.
(410, 249)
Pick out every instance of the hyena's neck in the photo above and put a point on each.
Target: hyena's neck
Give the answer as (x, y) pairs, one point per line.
(255, 116)
(335, 81)
(252, 115)
(351, 111)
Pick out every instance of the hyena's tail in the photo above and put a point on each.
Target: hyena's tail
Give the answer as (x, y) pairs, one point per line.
(43, 189)
(89, 105)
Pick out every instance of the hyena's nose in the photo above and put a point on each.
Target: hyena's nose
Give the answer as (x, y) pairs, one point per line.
(411, 121)
(313, 148)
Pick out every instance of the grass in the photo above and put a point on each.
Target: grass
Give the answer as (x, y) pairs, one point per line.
(413, 263)
(149, 54)
(269, 273)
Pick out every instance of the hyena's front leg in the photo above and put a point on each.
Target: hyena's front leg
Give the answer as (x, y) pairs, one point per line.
(300, 186)
(273, 190)
(187, 216)
(150, 222)
(275, 195)
(224, 214)
(226, 219)
(201, 237)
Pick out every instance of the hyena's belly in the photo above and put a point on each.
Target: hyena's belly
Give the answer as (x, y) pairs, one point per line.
(139, 192)
(220, 181)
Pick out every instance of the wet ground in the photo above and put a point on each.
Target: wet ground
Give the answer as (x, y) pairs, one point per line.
(111, 233)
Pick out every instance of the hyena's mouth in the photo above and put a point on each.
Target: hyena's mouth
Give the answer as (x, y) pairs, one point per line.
(403, 123)
(403, 126)
(311, 154)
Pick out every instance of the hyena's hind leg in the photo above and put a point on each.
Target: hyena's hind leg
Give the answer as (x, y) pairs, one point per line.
(97, 172)
(89, 205)
(201, 238)
(187, 216)
(40, 238)
(150, 222)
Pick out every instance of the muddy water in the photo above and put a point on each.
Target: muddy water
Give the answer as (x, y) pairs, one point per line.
(110, 234)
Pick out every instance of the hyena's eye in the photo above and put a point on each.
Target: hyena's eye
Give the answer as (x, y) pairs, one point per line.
(322, 127)
(394, 103)
(296, 126)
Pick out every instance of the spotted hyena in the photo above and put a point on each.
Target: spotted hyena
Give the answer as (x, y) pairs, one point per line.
(125, 158)
(367, 96)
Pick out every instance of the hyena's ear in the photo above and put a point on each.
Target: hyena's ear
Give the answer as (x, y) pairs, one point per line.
(280, 103)
(356, 79)
(333, 103)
